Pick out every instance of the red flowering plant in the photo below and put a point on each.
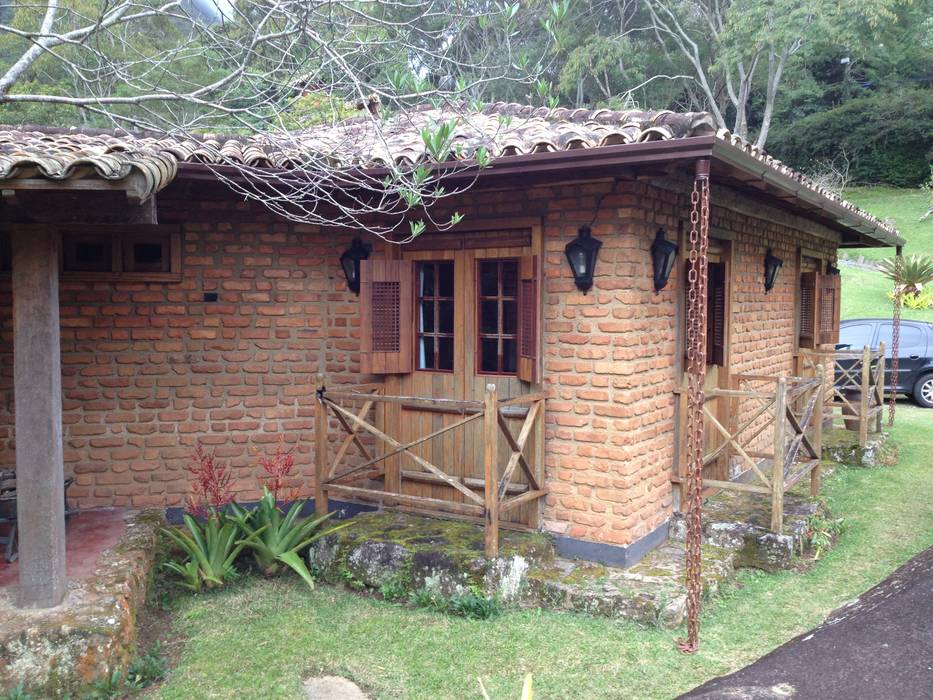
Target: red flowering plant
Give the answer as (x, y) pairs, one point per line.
(278, 468)
(211, 487)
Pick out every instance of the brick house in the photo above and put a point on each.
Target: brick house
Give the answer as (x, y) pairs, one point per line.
(173, 313)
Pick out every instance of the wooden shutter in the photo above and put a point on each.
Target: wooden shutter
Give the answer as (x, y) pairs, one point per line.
(830, 295)
(528, 305)
(716, 315)
(809, 310)
(386, 329)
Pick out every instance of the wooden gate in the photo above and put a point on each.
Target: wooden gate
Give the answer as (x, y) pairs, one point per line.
(375, 475)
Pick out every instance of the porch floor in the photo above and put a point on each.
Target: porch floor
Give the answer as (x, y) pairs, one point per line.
(88, 534)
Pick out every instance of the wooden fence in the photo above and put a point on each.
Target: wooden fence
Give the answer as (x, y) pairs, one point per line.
(857, 388)
(498, 493)
(779, 414)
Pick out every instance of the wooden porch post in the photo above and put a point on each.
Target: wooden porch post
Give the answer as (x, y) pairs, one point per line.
(491, 481)
(321, 467)
(865, 396)
(37, 381)
(816, 474)
(777, 467)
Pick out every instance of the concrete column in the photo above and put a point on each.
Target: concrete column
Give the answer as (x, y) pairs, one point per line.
(37, 380)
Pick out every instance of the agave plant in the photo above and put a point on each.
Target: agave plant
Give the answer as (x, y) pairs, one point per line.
(916, 272)
(211, 546)
(276, 536)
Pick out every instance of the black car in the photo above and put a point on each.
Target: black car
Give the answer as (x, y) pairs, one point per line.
(915, 363)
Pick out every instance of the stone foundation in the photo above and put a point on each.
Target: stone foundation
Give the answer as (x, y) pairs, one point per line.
(842, 446)
(56, 652)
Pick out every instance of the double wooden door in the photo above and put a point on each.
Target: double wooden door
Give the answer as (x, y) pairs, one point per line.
(466, 336)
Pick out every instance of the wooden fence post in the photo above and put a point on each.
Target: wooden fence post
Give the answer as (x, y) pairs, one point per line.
(321, 468)
(777, 467)
(865, 396)
(815, 474)
(879, 388)
(490, 456)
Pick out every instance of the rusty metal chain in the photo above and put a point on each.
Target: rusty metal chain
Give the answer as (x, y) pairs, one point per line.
(696, 378)
(896, 332)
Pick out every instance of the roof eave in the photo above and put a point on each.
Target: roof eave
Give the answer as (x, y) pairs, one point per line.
(866, 228)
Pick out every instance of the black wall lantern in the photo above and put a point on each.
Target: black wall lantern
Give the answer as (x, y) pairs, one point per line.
(772, 265)
(350, 262)
(831, 269)
(581, 254)
(663, 253)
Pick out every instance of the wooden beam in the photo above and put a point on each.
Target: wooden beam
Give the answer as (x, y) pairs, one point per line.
(37, 379)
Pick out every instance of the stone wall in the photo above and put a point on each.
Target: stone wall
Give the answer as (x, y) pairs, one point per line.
(152, 369)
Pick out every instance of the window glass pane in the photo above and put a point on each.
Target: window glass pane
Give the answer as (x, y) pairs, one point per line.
(509, 355)
(445, 316)
(445, 353)
(856, 336)
(510, 279)
(510, 317)
(446, 279)
(489, 316)
(427, 280)
(489, 355)
(912, 341)
(489, 278)
(147, 253)
(87, 253)
(426, 353)
(427, 316)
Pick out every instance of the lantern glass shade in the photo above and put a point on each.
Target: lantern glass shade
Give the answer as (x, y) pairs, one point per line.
(663, 254)
(350, 262)
(581, 254)
(772, 265)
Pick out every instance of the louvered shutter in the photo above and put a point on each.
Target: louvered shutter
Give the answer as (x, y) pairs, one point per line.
(386, 330)
(716, 315)
(830, 296)
(528, 304)
(809, 311)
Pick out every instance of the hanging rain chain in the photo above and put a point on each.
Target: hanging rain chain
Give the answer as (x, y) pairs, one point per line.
(696, 378)
(896, 330)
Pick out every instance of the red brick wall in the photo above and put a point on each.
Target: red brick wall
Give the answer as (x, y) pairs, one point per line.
(151, 369)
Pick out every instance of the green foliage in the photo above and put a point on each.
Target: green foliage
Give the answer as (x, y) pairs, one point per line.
(276, 537)
(822, 533)
(17, 693)
(919, 301)
(887, 137)
(147, 669)
(916, 272)
(474, 604)
(211, 548)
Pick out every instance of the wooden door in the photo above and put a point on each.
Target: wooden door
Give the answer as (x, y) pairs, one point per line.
(465, 335)
(717, 353)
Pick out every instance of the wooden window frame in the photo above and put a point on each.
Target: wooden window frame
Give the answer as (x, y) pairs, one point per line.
(499, 335)
(436, 299)
(121, 240)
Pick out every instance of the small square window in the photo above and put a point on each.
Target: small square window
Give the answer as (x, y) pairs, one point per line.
(149, 254)
(87, 252)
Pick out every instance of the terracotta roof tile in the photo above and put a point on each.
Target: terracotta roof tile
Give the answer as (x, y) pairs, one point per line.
(504, 129)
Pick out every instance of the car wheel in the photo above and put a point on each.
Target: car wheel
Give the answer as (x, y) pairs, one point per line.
(923, 391)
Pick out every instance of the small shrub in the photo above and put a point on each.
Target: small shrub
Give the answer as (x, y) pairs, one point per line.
(923, 300)
(823, 532)
(474, 606)
(393, 589)
(147, 669)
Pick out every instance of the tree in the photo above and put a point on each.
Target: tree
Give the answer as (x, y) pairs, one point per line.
(247, 67)
(736, 48)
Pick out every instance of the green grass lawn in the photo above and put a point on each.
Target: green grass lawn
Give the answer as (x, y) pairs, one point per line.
(864, 292)
(260, 638)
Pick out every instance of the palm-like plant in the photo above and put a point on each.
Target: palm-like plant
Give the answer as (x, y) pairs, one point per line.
(916, 272)
(276, 537)
(211, 546)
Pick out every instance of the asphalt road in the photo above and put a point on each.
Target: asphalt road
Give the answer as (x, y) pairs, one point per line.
(878, 647)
